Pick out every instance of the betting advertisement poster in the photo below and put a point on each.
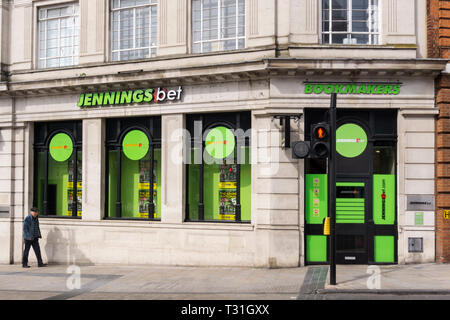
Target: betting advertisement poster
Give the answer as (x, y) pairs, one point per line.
(144, 192)
(70, 179)
(227, 192)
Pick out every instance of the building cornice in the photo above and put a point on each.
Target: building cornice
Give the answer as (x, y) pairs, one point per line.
(113, 77)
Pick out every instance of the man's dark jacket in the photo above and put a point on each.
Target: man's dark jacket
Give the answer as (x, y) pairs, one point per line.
(31, 229)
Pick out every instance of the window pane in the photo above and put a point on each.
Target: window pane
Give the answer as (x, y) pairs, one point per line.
(360, 4)
(53, 13)
(338, 38)
(360, 27)
(360, 15)
(339, 4)
(339, 14)
(339, 26)
(361, 38)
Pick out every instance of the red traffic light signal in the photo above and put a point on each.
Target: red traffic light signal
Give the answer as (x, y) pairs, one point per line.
(320, 144)
(320, 132)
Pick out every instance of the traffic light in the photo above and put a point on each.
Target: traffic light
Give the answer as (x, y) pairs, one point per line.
(320, 140)
(300, 149)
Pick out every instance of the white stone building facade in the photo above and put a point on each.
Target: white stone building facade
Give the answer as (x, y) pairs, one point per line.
(283, 47)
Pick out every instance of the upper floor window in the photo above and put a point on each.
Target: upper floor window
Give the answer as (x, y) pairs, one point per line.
(134, 26)
(218, 25)
(58, 36)
(350, 22)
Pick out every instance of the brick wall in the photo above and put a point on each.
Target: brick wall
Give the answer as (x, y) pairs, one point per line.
(438, 25)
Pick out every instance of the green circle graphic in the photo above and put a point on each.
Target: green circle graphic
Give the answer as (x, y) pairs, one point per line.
(220, 142)
(61, 147)
(135, 145)
(351, 140)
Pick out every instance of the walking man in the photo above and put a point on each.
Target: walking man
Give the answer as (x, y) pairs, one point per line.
(31, 234)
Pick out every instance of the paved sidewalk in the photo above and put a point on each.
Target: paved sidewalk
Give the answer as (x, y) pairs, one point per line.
(151, 282)
(420, 278)
(103, 282)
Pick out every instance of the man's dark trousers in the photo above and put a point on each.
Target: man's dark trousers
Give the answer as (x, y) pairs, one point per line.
(37, 250)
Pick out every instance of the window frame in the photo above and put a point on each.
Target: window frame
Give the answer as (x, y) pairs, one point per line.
(114, 143)
(349, 21)
(72, 129)
(118, 51)
(75, 55)
(208, 122)
(220, 27)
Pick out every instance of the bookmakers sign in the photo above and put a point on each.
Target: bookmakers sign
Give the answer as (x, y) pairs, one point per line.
(61, 147)
(353, 88)
(153, 95)
(135, 145)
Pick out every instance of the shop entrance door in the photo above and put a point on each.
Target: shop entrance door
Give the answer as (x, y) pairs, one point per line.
(366, 191)
(352, 207)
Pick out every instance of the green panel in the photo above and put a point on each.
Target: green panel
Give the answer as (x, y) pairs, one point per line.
(349, 184)
(384, 209)
(316, 198)
(130, 185)
(351, 140)
(112, 185)
(211, 189)
(246, 187)
(135, 145)
(316, 248)
(58, 173)
(193, 188)
(220, 142)
(384, 248)
(61, 147)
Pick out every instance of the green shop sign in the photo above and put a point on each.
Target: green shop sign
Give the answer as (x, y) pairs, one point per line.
(220, 142)
(61, 147)
(353, 88)
(135, 145)
(351, 140)
(155, 95)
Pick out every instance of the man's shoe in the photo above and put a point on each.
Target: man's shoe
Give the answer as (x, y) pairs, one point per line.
(25, 266)
(42, 265)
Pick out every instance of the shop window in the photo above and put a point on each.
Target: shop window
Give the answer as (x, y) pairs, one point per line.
(57, 169)
(134, 29)
(350, 22)
(384, 160)
(219, 169)
(59, 29)
(133, 175)
(218, 25)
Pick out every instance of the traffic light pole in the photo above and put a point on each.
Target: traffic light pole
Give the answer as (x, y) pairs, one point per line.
(332, 189)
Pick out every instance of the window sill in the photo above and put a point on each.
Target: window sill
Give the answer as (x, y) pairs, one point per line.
(59, 217)
(128, 223)
(354, 46)
(132, 219)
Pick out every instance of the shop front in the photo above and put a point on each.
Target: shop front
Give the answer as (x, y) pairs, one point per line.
(195, 170)
(366, 192)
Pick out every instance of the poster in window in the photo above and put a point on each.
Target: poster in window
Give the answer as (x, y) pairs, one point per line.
(144, 192)
(227, 192)
(70, 197)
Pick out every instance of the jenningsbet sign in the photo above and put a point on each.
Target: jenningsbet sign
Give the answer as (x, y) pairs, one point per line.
(152, 95)
(352, 88)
